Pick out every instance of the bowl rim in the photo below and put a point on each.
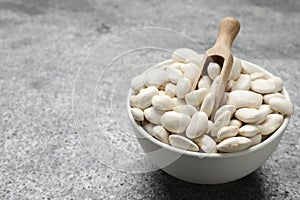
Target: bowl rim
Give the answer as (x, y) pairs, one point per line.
(278, 133)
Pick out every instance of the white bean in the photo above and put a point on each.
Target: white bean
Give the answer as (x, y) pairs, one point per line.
(137, 83)
(204, 82)
(247, 115)
(162, 102)
(182, 143)
(272, 122)
(267, 97)
(170, 90)
(131, 100)
(222, 120)
(196, 60)
(236, 69)
(249, 68)
(183, 87)
(235, 122)
(243, 98)
(264, 110)
(213, 70)
(226, 132)
(263, 86)
(183, 55)
(143, 99)
(255, 139)
(173, 75)
(257, 75)
(175, 122)
(185, 109)
(137, 114)
(209, 127)
(196, 97)
(197, 126)
(248, 130)
(155, 77)
(161, 134)
(148, 127)
(153, 115)
(229, 85)
(190, 71)
(222, 109)
(208, 104)
(206, 144)
(176, 65)
(242, 83)
(281, 105)
(277, 82)
(234, 144)
(178, 102)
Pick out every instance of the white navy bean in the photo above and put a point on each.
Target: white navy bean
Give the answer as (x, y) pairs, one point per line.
(182, 143)
(197, 126)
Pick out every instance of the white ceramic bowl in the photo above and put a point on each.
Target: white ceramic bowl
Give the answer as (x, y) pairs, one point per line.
(214, 168)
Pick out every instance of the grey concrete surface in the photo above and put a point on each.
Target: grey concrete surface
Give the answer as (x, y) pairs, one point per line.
(43, 43)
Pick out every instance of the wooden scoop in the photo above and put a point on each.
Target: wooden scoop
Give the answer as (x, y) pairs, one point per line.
(220, 53)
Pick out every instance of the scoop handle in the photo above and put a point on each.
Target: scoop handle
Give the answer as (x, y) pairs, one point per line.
(228, 30)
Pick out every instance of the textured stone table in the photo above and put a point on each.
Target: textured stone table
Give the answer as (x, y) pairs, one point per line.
(43, 44)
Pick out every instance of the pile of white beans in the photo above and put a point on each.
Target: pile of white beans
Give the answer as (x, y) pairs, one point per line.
(252, 107)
